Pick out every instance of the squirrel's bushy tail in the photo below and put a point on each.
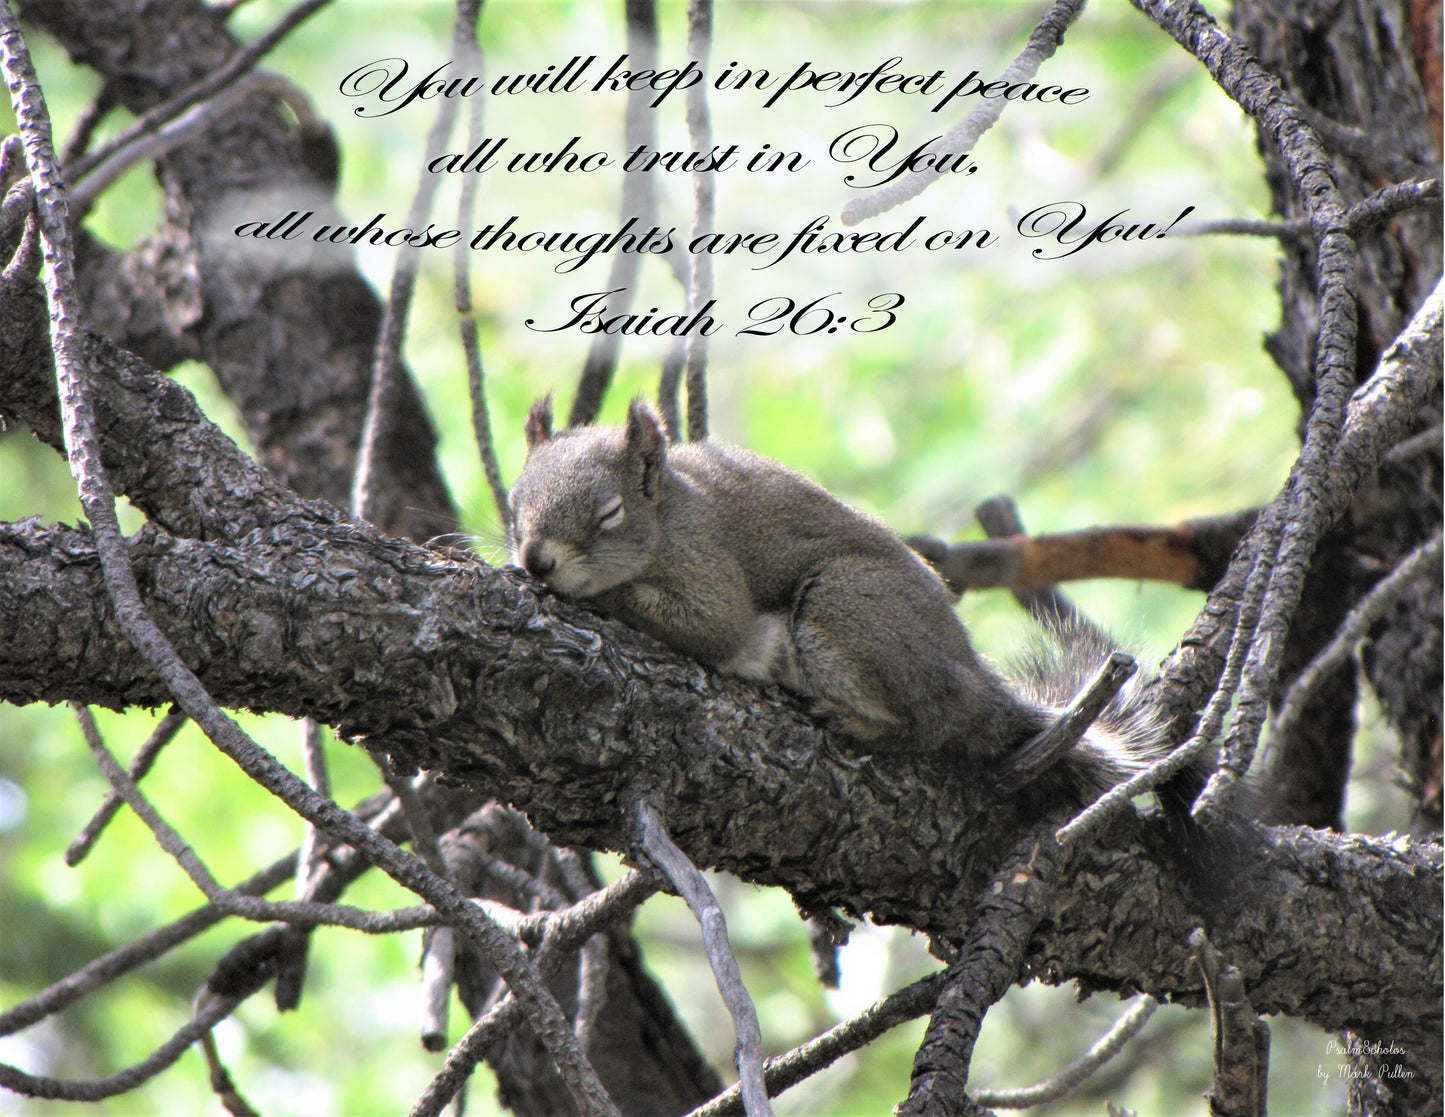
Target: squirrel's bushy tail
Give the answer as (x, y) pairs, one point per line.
(1127, 737)
(1124, 739)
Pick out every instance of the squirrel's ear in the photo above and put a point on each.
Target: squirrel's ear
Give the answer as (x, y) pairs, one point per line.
(647, 443)
(539, 422)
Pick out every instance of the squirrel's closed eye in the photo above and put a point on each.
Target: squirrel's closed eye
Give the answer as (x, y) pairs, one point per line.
(611, 515)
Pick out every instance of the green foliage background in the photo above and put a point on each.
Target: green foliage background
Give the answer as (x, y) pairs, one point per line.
(1123, 386)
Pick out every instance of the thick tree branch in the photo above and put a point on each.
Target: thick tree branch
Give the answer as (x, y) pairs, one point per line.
(456, 666)
(461, 668)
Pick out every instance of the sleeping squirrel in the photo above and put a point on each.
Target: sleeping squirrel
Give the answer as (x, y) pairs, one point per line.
(753, 569)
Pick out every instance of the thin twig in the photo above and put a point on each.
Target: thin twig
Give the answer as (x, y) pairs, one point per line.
(418, 819)
(108, 967)
(1391, 201)
(1423, 560)
(593, 963)
(576, 876)
(1076, 1073)
(639, 205)
(239, 64)
(668, 383)
(383, 396)
(105, 969)
(465, 849)
(35, 1086)
(296, 942)
(1387, 406)
(571, 925)
(699, 131)
(1294, 229)
(438, 963)
(89, 120)
(1364, 215)
(313, 754)
(806, 1060)
(1168, 78)
(222, 1085)
(99, 176)
(693, 888)
(165, 835)
(1047, 34)
(592, 970)
(999, 517)
(474, 61)
(438, 971)
(160, 737)
(561, 932)
(302, 913)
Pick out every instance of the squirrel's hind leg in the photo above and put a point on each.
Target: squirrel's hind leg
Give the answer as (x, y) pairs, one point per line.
(879, 645)
(856, 636)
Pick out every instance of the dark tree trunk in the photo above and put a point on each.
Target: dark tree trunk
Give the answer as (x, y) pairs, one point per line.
(1370, 71)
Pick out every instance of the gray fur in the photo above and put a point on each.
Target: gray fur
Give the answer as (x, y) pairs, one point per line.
(755, 570)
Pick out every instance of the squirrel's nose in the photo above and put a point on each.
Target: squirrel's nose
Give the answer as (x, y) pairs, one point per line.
(538, 559)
